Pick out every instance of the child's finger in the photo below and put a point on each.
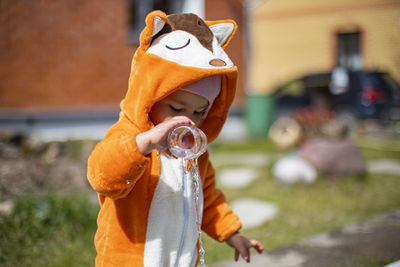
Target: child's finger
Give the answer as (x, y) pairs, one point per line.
(236, 255)
(247, 257)
(257, 245)
(245, 254)
(182, 120)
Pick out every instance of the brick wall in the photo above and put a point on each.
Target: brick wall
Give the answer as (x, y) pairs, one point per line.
(63, 55)
(72, 55)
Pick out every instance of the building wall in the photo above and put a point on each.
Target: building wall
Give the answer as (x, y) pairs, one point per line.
(232, 9)
(294, 38)
(63, 55)
(74, 56)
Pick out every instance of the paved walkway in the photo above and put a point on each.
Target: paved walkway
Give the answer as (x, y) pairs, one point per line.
(373, 243)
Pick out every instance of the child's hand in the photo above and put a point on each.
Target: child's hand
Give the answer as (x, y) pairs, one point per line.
(242, 245)
(156, 138)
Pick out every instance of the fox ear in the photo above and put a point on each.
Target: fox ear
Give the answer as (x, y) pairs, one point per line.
(155, 21)
(223, 31)
(158, 24)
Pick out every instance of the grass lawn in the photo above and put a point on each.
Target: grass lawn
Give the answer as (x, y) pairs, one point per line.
(308, 209)
(49, 230)
(57, 230)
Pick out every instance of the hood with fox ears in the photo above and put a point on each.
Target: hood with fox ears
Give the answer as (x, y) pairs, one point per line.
(174, 51)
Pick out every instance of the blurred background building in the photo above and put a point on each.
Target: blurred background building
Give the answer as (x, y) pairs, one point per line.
(305, 40)
(64, 65)
(295, 38)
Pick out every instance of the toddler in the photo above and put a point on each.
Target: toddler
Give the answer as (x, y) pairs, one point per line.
(180, 75)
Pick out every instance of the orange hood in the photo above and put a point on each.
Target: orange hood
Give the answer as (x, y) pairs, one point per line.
(157, 72)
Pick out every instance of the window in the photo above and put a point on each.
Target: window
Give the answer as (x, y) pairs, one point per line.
(140, 8)
(349, 51)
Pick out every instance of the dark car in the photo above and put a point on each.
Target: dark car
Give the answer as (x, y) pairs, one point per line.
(367, 94)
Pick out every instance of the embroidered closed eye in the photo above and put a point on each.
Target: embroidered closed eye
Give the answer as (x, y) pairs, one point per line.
(180, 47)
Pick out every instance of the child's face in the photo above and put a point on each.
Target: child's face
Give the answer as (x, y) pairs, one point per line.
(179, 103)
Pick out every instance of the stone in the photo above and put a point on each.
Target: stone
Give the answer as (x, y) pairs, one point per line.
(393, 264)
(292, 169)
(236, 177)
(253, 212)
(6, 207)
(385, 166)
(333, 157)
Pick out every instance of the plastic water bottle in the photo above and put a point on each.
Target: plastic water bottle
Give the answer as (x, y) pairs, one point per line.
(187, 142)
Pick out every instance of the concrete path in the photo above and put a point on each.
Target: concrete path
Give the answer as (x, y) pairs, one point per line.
(373, 243)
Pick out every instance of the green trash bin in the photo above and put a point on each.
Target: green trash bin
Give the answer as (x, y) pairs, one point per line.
(259, 114)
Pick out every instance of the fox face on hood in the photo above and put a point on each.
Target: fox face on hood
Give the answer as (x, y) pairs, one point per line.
(176, 50)
(188, 41)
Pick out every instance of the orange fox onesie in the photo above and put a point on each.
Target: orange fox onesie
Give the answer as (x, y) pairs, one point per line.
(140, 220)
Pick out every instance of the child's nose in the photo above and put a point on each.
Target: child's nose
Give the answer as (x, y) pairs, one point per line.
(193, 118)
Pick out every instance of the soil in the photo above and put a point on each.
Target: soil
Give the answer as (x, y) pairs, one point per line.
(33, 166)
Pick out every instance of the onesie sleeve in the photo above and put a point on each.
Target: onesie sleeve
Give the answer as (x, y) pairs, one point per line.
(116, 164)
(219, 221)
